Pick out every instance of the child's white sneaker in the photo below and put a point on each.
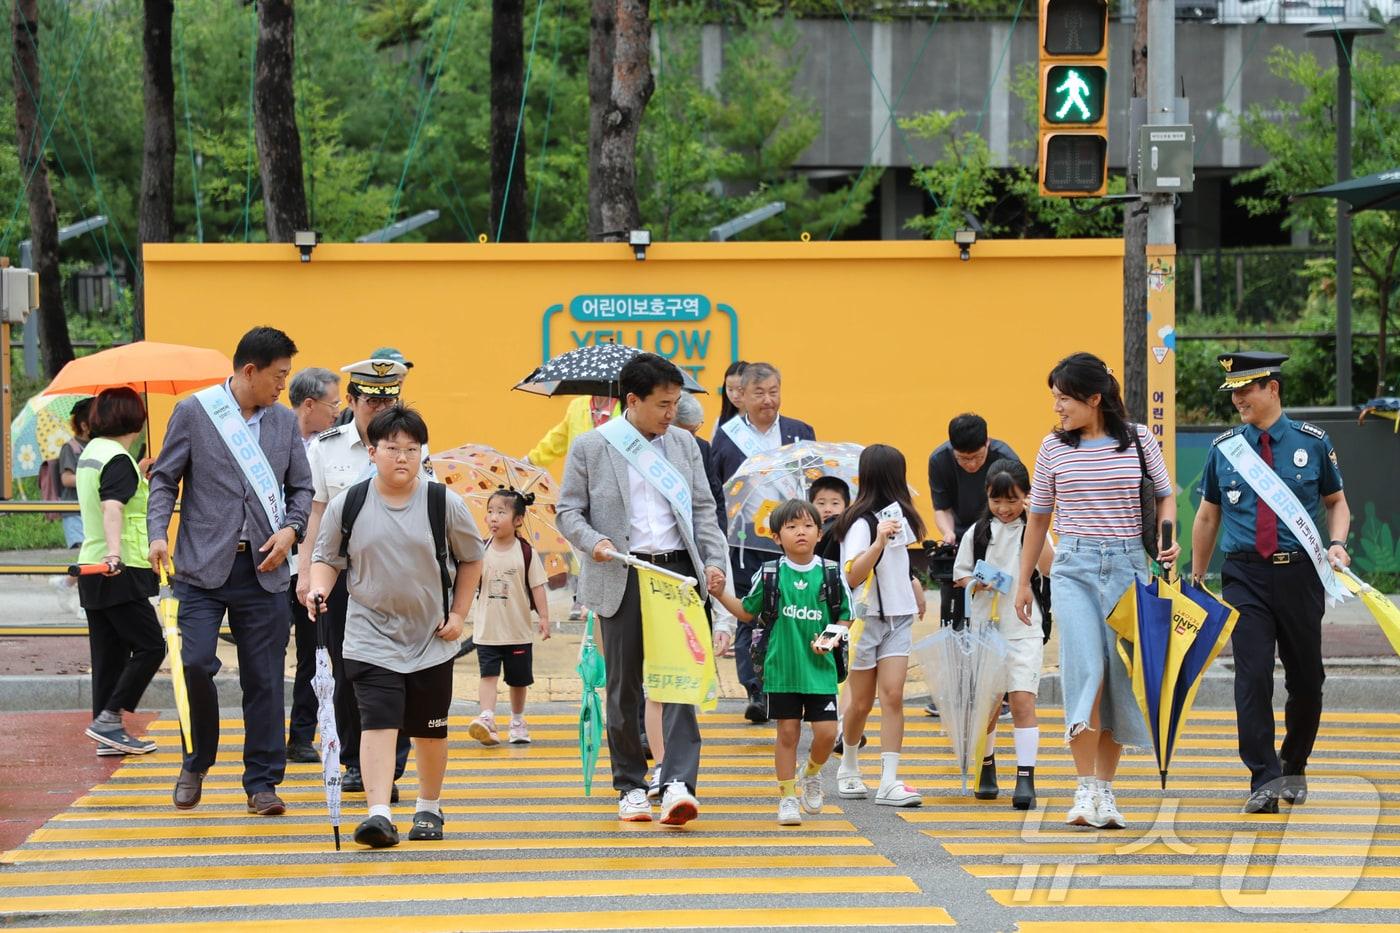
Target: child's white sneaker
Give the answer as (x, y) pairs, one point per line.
(654, 788)
(898, 794)
(1085, 810)
(483, 729)
(789, 813)
(851, 787)
(812, 793)
(519, 732)
(1107, 815)
(634, 807)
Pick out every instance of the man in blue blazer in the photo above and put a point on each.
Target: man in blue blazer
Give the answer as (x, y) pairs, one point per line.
(247, 493)
(760, 428)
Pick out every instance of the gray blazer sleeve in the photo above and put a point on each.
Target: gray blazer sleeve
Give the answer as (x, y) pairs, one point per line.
(708, 540)
(572, 513)
(166, 474)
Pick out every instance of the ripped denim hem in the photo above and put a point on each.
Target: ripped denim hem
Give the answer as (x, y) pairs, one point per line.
(1073, 730)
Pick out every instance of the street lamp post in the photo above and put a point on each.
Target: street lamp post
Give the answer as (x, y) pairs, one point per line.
(1343, 33)
(26, 261)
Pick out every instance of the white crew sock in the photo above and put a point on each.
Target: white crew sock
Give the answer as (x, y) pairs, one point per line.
(383, 810)
(428, 806)
(889, 764)
(990, 747)
(850, 759)
(1027, 744)
(1105, 786)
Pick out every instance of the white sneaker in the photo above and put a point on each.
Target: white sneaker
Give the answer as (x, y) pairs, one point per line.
(789, 813)
(851, 787)
(1085, 811)
(519, 732)
(654, 787)
(1107, 815)
(898, 795)
(483, 729)
(812, 793)
(678, 805)
(634, 807)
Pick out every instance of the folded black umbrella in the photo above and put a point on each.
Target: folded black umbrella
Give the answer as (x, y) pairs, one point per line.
(590, 370)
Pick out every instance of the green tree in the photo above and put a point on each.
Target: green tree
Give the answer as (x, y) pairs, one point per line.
(1300, 136)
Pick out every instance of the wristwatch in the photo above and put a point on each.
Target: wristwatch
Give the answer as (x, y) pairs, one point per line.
(298, 529)
(1335, 543)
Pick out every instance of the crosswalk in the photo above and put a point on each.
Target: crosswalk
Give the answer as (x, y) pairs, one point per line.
(526, 850)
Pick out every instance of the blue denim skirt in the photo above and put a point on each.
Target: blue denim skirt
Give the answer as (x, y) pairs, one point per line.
(1089, 576)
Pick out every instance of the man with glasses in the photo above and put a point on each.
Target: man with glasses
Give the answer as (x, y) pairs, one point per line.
(339, 459)
(315, 396)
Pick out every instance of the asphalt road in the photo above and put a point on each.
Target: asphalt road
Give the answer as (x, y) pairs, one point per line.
(525, 850)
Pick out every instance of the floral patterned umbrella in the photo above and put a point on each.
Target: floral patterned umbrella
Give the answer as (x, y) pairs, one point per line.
(39, 430)
(475, 471)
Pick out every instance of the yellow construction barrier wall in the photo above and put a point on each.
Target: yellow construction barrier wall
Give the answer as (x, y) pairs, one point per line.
(877, 341)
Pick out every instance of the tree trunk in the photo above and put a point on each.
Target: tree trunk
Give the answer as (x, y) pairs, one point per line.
(631, 89)
(1135, 253)
(275, 123)
(601, 26)
(43, 219)
(509, 220)
(157, 209)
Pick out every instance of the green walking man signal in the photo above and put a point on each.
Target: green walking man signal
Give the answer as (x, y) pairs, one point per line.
(1074, 90)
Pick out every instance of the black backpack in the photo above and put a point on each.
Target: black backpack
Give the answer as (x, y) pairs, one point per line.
(1040, 586)
(437, 520)
(832, 591)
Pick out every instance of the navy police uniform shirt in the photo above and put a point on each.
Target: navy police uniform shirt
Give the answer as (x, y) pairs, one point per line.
(1303, 458)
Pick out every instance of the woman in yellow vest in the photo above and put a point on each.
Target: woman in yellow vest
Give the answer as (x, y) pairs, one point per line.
(125, 638)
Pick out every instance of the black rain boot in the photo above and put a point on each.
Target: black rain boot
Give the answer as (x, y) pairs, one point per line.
(987, 781)
(1023, 798)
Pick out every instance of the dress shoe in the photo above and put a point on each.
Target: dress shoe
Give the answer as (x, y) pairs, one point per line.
(1023, 797)
(266, 803)
(987, 780)
(1262, 801)
(351, 782)
(189, 787)
(1295, 789)
(302, 753)
(757, 710)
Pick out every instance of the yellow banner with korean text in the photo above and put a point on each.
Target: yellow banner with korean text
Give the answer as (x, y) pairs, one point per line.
(678, 663)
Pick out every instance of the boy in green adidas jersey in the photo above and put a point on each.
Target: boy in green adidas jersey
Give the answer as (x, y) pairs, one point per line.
(804, 616)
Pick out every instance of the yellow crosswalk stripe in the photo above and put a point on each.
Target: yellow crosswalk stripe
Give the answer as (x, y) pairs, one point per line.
(1187, 869)
(1198, 849)
(169, 813)
(1279, 924)
(1273, 898)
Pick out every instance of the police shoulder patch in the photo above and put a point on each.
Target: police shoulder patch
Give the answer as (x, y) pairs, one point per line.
(1312, 429)
(1229, 433)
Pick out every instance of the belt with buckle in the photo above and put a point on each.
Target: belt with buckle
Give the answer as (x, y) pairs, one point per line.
(1279, 557)
(243, 546)
(666, 557)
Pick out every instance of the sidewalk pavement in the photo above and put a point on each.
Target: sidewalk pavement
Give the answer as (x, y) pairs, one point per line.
(50, 672)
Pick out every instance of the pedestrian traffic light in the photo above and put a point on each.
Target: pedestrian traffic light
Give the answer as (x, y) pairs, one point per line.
(1073, 98)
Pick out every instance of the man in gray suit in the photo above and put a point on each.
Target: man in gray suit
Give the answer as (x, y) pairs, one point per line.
(232, 559)
(606, 504)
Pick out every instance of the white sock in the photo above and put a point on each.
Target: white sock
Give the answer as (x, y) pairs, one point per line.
(889, 764)
(1027, 744)
(383, 810)
(990, 748)
(429, 806)
(1089, 782)
(850, 759)
(1105, 786)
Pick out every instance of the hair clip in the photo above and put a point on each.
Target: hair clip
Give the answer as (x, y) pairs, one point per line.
(1108, 369)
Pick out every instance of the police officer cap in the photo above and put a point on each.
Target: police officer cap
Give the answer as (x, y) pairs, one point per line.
(1249, 366)
(390, 353)
(376, 377)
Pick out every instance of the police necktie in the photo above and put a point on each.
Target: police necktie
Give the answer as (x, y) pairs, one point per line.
(1265, 521)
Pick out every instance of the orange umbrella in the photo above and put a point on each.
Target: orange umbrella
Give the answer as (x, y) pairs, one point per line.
(475, 471)
(146, 366)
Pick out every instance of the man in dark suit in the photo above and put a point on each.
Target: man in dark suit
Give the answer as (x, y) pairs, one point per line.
(760, 428)
(247, 492)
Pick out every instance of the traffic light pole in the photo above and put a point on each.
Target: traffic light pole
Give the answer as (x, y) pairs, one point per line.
(1161, 238)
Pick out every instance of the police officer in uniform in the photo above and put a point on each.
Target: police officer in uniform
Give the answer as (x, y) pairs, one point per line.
(1269, 576)
(339, 459)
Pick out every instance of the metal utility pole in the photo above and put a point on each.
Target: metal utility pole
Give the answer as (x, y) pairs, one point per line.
(1343, 34)
(1161, 237)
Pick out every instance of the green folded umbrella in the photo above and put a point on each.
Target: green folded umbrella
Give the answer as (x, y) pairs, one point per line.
(1378, 192)
(593, 673)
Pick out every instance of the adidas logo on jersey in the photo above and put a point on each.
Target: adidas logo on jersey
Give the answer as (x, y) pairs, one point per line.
(799, 584)
(803, 613)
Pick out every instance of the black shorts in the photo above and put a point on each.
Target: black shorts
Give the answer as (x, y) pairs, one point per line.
(808, 707)
(415, 703)
(518, 660)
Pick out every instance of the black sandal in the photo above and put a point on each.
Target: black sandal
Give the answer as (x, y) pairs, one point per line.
(427, 827)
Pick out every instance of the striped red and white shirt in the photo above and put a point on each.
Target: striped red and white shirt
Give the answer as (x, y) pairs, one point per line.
(1093, 488)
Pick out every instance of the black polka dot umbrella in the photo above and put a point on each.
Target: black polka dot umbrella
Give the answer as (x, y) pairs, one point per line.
(590, 370)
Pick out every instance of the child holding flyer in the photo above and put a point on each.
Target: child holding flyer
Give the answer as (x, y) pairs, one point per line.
(512, 581)
(994, 545)
(803, 609)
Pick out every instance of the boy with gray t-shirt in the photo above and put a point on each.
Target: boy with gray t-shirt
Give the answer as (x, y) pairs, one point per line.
(398, 646)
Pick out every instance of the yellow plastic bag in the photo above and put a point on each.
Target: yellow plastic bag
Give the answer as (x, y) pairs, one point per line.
(678, 663)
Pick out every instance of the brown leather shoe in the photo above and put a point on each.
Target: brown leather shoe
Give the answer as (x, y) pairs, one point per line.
(266, 803)
(189, 787)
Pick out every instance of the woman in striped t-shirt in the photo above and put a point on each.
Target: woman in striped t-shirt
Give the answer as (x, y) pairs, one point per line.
(1088, 474)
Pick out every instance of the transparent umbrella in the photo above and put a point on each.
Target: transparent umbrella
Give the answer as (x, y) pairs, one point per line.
(765, 480)
(323, 684)
(965, 669)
